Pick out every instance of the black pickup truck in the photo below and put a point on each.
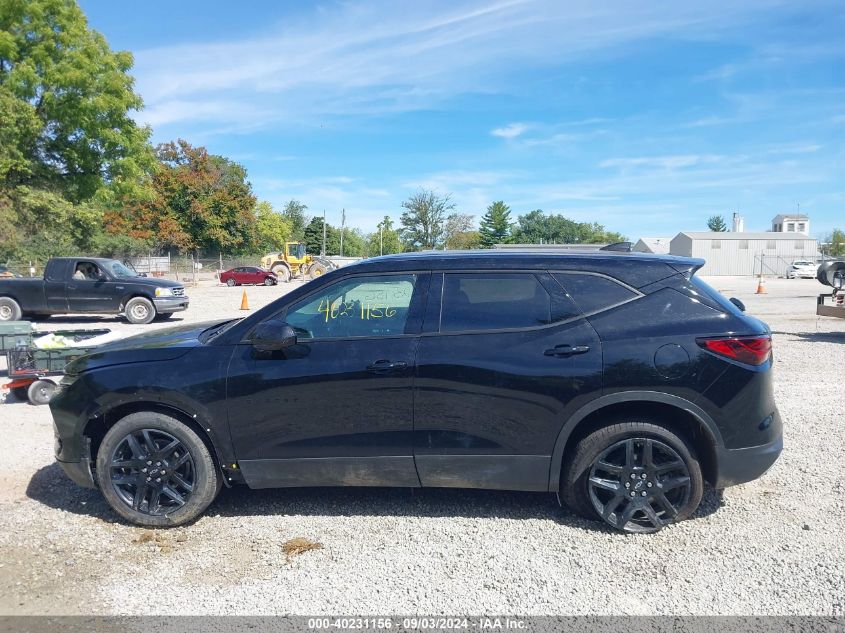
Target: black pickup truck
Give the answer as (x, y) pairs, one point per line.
(92, 285)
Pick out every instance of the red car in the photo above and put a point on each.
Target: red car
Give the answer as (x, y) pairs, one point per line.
(248, 275)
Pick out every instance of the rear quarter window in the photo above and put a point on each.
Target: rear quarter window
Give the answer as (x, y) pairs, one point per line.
(594, 293)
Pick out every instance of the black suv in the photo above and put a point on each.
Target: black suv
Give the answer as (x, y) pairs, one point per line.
(618, 381)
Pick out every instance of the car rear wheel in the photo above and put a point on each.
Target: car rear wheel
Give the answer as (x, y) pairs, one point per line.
(140, 311)
(155, 471)
(9, 309)
(637, 477)
(230, 282)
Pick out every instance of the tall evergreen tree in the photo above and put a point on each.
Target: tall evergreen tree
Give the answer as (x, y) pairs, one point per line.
(495, 225)
(717, 223)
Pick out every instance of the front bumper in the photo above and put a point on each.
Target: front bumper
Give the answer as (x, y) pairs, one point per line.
(171, 304)
(741, 465)
(79, 472)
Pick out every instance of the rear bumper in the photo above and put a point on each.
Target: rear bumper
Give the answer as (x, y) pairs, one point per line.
(171, 304)
(741, 465)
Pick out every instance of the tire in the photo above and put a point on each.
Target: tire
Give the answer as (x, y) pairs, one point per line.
(9, 309)
(282, 273)
(268, 281)
(41, 392)
(146, 491)
(828, 271)
(316, 270)
(602, 482)
(139, 311)
(231, 282)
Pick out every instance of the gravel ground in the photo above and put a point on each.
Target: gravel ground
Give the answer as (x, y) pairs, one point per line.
(773, 546)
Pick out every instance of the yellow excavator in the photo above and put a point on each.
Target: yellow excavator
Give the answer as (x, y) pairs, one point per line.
(293, 261)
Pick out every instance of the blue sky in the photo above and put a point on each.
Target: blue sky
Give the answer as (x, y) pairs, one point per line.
(647, 117)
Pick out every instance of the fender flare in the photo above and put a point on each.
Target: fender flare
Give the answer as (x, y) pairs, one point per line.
(601, 402)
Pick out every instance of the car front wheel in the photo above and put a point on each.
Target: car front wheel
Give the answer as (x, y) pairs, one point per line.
(140, 311)
(230, 282)
(155, 471)
(637, 477)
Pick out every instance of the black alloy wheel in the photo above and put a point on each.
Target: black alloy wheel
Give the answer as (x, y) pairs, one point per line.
(639, 484)
(152, 472)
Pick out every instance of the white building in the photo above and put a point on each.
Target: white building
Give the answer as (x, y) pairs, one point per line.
(791, 223)
(744, 253)
(658, 245)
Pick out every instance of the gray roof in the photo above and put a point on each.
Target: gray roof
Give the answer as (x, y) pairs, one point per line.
(656, 244)
(730, 235)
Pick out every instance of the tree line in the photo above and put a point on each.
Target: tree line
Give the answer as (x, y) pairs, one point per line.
(79, 175)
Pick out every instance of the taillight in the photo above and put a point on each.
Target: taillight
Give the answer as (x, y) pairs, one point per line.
(751, 350)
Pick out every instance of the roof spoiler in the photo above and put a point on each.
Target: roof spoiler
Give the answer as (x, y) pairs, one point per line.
(687, 266)
(619, 247)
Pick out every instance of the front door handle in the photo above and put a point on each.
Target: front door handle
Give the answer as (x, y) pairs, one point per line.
(562, 351)
(386, 366)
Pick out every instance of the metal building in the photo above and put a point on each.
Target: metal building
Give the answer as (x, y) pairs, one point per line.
(744, 253)
(658, 245)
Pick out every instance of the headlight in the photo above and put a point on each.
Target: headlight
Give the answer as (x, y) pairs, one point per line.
(164, 292)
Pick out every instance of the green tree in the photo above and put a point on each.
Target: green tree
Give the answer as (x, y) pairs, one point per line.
(535, 227)
(717, 223)
(66, 100)
(458, 231)
(294, 214)
(314, 238)
(836, 240)
(271, 228)
(385, 240)
(495, 225)
(354, 243)
(423, 219)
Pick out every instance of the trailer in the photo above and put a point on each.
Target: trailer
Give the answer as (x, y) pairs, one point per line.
(832, 304)
(33, 368)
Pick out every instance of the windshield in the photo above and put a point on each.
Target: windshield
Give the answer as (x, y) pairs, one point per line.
(118, 270)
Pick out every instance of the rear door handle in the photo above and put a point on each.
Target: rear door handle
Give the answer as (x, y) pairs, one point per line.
(562, 351)
(386, 366)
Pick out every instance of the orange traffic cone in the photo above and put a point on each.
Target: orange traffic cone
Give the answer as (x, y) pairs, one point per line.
(244, 302)
(761, 288)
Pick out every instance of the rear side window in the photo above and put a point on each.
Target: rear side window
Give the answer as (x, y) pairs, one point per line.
(594, 293)
(493, 301)
(716, 296)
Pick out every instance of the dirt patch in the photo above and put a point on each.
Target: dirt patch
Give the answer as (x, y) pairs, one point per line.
(299, 545)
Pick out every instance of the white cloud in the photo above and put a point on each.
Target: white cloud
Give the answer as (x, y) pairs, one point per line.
(370, 57)
(511, 130)
(661, 162)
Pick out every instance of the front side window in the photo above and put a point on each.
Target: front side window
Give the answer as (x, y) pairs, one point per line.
(594, 293)
(355, 307)
(493, 301)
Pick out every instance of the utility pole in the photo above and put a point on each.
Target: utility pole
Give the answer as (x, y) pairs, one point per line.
(342, 225)
(381, 238)
(323, 251)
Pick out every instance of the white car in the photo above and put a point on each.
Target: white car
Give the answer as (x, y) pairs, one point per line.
(801, 268)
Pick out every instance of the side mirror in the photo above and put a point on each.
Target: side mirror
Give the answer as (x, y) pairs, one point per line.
(739, 304)
(272, 336)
